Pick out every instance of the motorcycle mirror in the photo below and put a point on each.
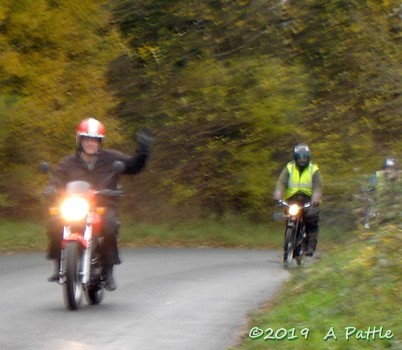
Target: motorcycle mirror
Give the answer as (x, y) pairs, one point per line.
(44, 167)
(119, 166)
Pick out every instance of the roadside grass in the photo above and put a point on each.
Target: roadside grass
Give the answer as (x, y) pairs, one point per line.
(225, 233)
(357, 287)
(229, 232)
(21, 236)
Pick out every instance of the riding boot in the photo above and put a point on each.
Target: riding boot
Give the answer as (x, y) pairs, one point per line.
(110, 283)
(54, 277)
(311, 243)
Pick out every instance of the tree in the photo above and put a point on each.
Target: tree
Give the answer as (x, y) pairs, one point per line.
(196, 71)
(53, 59)
(351, 48)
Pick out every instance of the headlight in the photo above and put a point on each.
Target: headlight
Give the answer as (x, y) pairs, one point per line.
(74, 209)
(293, 209)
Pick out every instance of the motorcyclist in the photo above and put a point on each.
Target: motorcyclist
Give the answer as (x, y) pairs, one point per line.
(300, 181)
(384, 189)
(388, 174)
(94, 164)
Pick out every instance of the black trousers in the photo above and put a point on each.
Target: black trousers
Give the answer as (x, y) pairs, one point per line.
(311, 218)
(108, 242)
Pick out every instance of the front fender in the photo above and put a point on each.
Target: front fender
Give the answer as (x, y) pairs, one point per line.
(75, 237)
(291, 223)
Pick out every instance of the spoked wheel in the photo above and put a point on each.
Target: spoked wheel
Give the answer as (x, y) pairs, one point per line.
(301, 248)
(73, 286)
(288, 246)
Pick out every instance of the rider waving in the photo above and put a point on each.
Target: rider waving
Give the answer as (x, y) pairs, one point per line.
(93, 164)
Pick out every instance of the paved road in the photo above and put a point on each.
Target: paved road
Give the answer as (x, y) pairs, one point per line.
(170, 299)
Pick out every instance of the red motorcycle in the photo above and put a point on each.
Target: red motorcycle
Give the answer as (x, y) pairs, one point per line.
(81, 270)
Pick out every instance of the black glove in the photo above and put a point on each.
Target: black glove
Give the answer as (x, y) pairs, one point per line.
(145, 140)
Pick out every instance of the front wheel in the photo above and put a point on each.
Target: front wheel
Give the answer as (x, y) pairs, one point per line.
(288, 246)
(73, 285)
(301, 247)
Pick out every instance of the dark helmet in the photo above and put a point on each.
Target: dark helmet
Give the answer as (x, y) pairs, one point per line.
(302, 154)
(389, 163)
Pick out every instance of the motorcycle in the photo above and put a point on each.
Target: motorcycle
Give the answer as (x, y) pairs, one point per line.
(81, 270)
(295, 233)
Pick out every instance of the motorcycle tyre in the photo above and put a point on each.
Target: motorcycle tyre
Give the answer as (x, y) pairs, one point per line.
(94, 292)
(73, 286)
(300, 250)
(288, 246)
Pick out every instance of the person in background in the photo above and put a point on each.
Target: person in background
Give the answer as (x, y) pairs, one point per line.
(94, 164)
(384, 189)
(387, 175)
(300, 181)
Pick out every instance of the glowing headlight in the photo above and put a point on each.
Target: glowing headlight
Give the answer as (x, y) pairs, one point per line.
(74, 209)
(293, 209)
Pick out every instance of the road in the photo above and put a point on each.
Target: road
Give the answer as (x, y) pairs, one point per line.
(167, 298)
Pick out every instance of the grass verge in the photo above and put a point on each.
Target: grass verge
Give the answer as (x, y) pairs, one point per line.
(227, 232)
(340, 302)
(21, 236)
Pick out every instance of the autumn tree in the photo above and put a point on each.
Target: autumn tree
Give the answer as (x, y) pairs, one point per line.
(352, 51)
(201, 73)
(53, 59)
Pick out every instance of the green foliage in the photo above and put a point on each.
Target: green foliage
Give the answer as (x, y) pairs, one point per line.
(351, 49)
(227, 127)
(221, 115)
(231, 86)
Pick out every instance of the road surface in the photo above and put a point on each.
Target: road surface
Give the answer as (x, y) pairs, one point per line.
(170, 299)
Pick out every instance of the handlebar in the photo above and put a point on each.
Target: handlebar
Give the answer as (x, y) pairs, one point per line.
(287, 204)
(109, 193)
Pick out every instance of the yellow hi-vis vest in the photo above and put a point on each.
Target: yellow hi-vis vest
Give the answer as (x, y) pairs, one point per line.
(380, 180)
(300, 182)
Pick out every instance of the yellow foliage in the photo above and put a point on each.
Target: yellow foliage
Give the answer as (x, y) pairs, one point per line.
(11, 64)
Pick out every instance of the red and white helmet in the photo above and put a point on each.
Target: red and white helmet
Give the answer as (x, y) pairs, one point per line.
(90, 127)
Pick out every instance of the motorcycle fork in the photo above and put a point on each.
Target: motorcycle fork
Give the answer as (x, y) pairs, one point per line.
(85, 263)
(299, 235)
(293, 223)
(62, 268)
(86, 259)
